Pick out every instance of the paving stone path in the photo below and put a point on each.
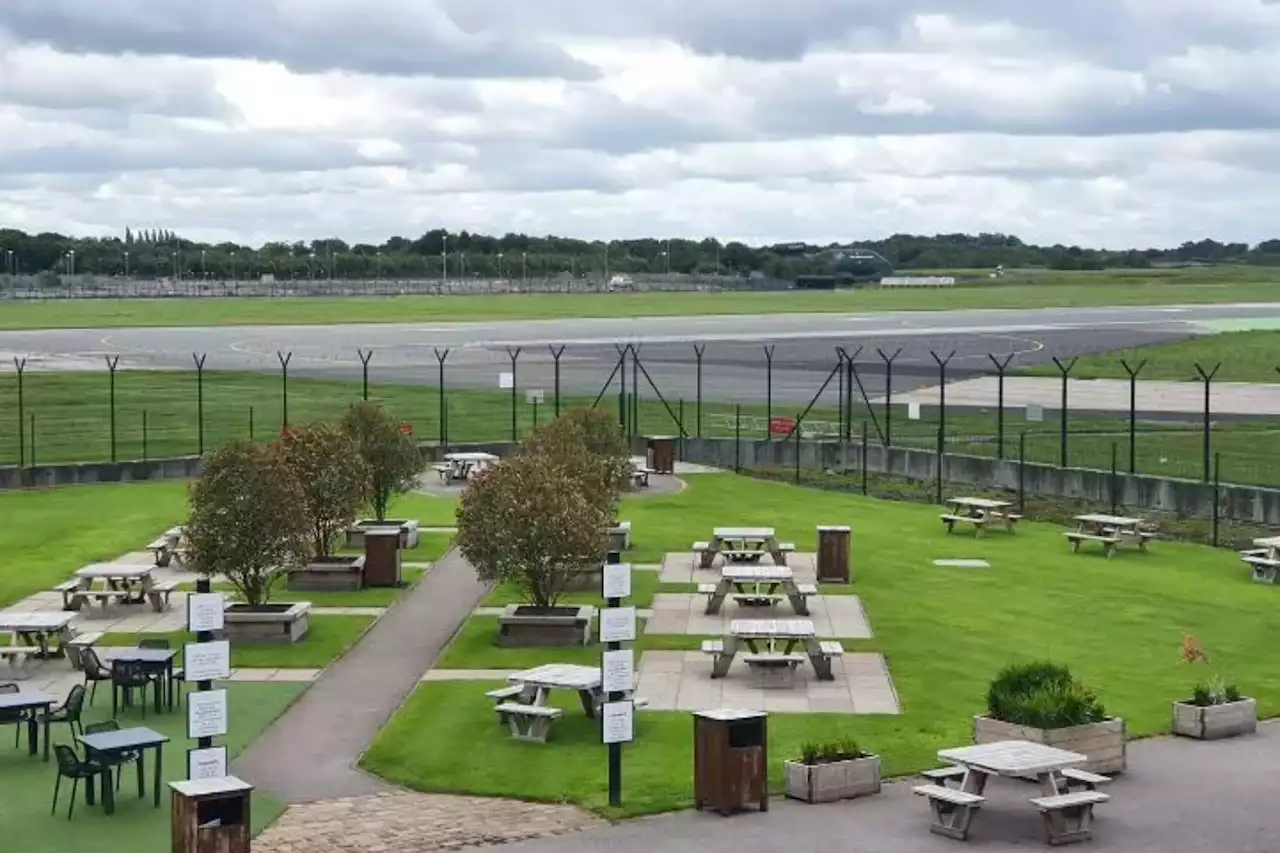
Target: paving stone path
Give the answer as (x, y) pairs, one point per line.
(310, 753)
(414, 823)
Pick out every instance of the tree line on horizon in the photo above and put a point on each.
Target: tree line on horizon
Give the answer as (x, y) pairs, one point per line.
(161, 253)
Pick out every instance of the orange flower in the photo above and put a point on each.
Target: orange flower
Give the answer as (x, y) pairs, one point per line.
(1192, 651)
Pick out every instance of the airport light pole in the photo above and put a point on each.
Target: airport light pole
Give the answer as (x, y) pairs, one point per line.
(444, 257)
(126, 263)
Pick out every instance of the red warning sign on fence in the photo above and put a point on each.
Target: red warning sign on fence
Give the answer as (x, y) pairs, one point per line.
(406, 429)
(781, 425)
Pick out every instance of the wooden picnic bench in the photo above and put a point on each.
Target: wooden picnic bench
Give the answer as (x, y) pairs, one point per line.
(953, 809)
(1110, 531)
(1068, 817)
(979, 512)
(640, 476)
(757, 586)
(744, 635)
(1263, 559)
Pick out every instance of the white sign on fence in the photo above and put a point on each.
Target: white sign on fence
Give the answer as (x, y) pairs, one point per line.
(913, 411)
(1035, 413)
(506, 380)
(617, 624)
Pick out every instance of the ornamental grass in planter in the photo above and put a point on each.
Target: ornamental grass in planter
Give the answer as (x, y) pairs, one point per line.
(1216, 709)
(1044, 703)
(837, 770)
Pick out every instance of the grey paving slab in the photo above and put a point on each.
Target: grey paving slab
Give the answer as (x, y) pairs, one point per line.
(683, 613)
(466, 674)
(311, 751)
(1178, 796)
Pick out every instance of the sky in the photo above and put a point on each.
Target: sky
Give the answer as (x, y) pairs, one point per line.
(1105, 123)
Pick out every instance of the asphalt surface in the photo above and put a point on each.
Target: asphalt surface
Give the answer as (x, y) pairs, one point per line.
(804, 347)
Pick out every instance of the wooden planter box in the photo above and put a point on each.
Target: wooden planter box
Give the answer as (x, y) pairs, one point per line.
(408, 531)
(1215, 721)
(330, 574)
(526, 625)
(835, 780)
(1102, 742)
(272, 623)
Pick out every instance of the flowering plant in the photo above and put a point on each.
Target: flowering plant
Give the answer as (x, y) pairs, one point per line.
(1213, 690)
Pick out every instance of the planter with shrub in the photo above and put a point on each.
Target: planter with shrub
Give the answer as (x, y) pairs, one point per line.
(1044, 703)
(827, 772)
(1216, 709)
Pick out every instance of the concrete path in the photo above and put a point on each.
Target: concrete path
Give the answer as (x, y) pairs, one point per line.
(1178, 797)
(311, 751)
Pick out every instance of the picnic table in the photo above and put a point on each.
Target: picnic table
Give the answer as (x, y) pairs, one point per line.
(127, 583)
(106, 745)
(640, 473)
(771, 649)
(1263, 559)
(742, 545)
(523, 705)
(756, 587)
(33, 634)
(979, 512)
(168, 546)
(1067, 814)
(465, 465)
(1109, 531)
(32, 702)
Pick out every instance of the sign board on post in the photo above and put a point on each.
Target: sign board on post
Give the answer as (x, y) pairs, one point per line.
(506, 380)
(618, 724)
(913, 411)
(207, 661)
(619, 672)
(406, 429)
(533, 395)
(617, 580)
(207, 763)
(207, 713)
(617, 624)
(205, 611)
(1035, 413)
(779, 425)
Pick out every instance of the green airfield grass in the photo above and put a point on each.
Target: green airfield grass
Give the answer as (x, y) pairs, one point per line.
(1135, 287)
(945, 633)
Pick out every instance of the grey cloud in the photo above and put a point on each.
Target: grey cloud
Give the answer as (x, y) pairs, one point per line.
(390, 37)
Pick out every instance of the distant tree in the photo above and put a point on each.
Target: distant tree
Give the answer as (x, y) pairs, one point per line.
(393, 460)
(333, 478)
(590, 444)
(245, 519)
(528, 521)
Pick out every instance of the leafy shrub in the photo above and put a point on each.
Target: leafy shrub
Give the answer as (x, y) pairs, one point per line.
(1042, 695)
(842, 749)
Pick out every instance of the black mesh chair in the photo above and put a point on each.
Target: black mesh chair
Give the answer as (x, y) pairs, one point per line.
(68, 712)
(16, 718)
(71, 767)
(176, 676)
(128, 676)
(94, 670)
(119, 759)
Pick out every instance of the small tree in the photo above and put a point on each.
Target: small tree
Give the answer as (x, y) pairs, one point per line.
(393, 460)
(246, 517)
(590, 444)
(529, 522)
(333, 478)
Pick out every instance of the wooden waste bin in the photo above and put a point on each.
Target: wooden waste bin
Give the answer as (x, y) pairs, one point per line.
(730, 760)
(211, 816)
(382, 556)
(662, 454)
(833, 554)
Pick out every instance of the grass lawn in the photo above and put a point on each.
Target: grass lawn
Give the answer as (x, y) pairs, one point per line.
(26, 783)
(644, 584)
(1245, 357)
(367, 597)
(945, 633)
(327, 639)
(1134, 287)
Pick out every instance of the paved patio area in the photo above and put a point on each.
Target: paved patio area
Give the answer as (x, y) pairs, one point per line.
(1179, 796)
(680, 567)
(839, 616)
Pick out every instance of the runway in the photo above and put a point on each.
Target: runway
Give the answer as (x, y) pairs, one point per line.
(735, 351)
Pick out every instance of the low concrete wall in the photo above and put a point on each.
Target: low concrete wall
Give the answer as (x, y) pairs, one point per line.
(1188, 498)
(71, 474)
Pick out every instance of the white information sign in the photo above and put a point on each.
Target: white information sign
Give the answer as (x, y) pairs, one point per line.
(206, 713)
(506, 380)
(617, 580)
(617, 624)
(1035, 413)
(618, 671)
(913, 411)
(207, 661)
(618, 723)
(533, 395)
(208, 763)
(204, 611)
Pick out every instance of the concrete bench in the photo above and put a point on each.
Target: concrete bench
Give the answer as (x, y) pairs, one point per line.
(943, 775)
(953, 809)
(105, 597)
(1067, 817)
(77, 644)
(707, 588)
(699, 550)
(831, 649)
(528, 722)
(1263, 568)
(807, 588)
(1110, 542)
(713, 647)
(159, 594)
(161, 549)
(1075, 778)
(640, 477)
(757, 599)
(19, 659)
(501, 695)
(978, 522)
(72, 595)
(787, 547)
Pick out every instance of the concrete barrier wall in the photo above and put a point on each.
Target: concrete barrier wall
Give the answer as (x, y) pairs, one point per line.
(1188, 498)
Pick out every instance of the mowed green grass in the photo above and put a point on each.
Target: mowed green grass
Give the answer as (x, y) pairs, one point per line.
(945, 633)
(26, 782)
(1137, 287)
(1244, 357)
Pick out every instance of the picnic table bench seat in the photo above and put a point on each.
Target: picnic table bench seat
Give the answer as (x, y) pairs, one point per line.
(831, 648)
(953, 809)
(707, 588)
(774, 669)
(159, 594)
(1075, 537)
(1075, 811)
(757, 599)
(951, 520)
(77, 644)
(713, 647)
(942, 775)
(1263, 568)
(19, 659)
(1074, 777)
(528, 722)
(71, 594)
(807, 588)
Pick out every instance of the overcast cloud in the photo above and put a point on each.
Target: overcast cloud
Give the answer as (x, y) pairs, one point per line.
(1098, 122)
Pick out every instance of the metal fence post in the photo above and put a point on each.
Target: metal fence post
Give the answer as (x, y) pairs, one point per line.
(199, 362)
(1217, 494)
(938, 474)
(144, 435)
(1062, 415)
(888, 393)
(284, 359)
(1113, 478)
(21, 365)
(514, 355)
(1133, 411)
(112, 362)
(441, 355)
(635, 390)
(1022, 472)
(768, 389)
(364, 372)
(864, 457)
(942, 396)
(555, 354)
(698, 350)
(251, 423)
(1207, 378)
(737, 439)
(797, 446)
(624, 419)
(1001, 367)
